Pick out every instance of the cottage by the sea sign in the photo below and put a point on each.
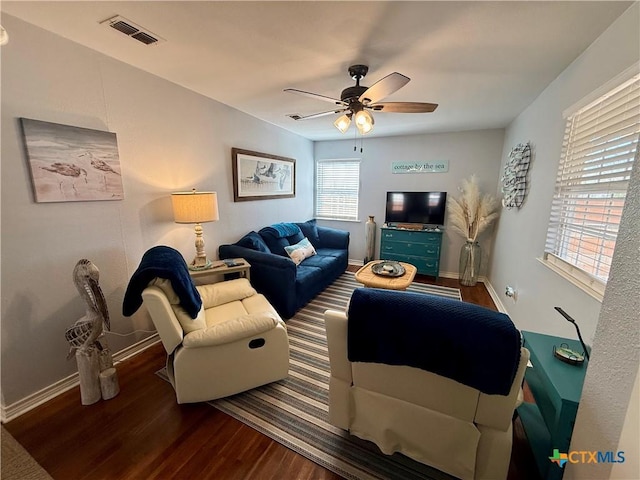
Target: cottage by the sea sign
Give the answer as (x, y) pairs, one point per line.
(439, 166)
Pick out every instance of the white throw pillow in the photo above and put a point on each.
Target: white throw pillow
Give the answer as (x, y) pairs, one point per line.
(301, 250)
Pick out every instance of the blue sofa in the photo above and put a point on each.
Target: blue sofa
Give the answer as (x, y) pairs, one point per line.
(286, 285)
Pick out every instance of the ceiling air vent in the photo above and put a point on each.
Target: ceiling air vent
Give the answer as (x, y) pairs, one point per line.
(132, 30)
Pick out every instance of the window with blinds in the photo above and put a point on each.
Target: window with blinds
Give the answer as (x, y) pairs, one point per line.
(337, 189)
(600, 143)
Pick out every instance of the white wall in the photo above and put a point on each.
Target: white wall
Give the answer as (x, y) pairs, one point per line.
(612, 328)
(521, 234)
(473, 152)
(630, 439)
(169, 139)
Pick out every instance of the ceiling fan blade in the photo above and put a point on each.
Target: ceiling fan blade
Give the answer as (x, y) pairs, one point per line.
(404, 107)
(384, 87)
(316, 115)
(315, 95)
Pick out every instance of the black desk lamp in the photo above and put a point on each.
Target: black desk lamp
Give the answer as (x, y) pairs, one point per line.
(566, 315)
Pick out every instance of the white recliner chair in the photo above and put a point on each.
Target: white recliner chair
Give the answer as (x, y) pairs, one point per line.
(237, 341)
(431, 418)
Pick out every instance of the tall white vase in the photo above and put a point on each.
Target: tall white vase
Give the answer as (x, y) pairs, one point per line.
(370, 239)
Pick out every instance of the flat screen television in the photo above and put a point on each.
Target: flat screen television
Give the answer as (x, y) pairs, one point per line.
(427, 208)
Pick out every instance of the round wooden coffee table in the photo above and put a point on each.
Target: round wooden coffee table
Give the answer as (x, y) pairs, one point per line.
(369, 279)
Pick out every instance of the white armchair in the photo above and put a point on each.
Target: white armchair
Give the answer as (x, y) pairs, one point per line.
(428, 417)
(236, 342)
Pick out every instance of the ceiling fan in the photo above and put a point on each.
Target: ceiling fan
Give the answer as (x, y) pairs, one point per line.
(355, 102)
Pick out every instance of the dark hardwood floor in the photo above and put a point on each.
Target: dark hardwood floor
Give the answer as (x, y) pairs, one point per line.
(144, 434)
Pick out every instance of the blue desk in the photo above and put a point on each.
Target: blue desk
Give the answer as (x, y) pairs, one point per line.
(556, 387)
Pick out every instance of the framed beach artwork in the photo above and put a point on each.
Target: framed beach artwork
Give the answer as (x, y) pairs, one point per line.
(259, 176)
(72, 164)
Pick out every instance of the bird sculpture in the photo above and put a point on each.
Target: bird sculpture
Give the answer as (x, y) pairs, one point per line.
(83, 335)
(66, 170)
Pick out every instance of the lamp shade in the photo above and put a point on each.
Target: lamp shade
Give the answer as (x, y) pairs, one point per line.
(195, 207)
(364, 122)
(342, 123)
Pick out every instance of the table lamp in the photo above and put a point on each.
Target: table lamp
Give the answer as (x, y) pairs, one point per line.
(196, 207)
(564, 353)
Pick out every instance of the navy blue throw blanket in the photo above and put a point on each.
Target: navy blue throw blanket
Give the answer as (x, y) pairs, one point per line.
(162, 262)
(473, 345)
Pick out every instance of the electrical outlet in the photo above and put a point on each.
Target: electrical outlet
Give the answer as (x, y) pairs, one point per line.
(510, 292)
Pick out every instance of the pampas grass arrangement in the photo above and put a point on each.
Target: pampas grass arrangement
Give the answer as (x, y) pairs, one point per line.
(472, 212)
(470, 215)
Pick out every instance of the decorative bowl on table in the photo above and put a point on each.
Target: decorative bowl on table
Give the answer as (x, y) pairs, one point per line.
(388, 268)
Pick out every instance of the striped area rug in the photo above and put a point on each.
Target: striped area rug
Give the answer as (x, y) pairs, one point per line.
(294, 411)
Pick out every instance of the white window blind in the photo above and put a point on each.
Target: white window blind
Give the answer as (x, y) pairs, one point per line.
(598, 150)
(337, 189)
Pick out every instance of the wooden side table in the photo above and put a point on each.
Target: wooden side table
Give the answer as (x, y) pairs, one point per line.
(369, 279)
(220, 268)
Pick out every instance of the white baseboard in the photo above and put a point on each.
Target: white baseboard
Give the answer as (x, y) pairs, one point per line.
(495, 297)
(449, 274)
(36, 399)
(492, 292)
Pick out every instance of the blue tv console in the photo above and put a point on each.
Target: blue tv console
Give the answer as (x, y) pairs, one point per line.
(418, 247)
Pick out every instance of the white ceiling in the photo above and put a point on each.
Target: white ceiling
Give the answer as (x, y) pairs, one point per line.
(482, 62)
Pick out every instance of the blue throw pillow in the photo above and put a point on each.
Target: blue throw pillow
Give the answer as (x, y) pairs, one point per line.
(253, 241)
(310, 230)
(276, 245)
(293, 239)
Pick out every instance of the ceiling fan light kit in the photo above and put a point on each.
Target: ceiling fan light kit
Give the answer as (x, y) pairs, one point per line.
(364, 122)
(356, 101)
(343, 122)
